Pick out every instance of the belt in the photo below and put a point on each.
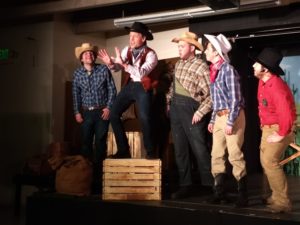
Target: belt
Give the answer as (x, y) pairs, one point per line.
(223, 112)
(91, 108)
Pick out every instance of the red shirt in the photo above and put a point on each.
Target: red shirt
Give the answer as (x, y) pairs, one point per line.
(276, 104)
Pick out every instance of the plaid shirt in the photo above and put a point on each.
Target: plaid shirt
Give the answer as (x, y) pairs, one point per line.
(226, 93)
(193, 75)
(96, 89)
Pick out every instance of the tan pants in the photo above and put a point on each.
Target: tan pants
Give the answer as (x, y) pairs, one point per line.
(270, 156)
(231, 143)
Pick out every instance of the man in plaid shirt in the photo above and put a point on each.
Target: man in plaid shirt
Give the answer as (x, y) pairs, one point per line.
(93, 94)
(189, 103)
(227, 122)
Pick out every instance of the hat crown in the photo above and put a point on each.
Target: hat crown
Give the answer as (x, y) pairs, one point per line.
(221, 44)
(142, 29)
(85, 47)
(224, 43)
(191, 38)
(270, 57)
(189, 35)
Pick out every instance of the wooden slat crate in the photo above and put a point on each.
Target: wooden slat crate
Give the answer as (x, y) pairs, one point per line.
(131, 179)
(135, 141)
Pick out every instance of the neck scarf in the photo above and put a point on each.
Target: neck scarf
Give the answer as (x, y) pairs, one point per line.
(137, 51)
(214, 70)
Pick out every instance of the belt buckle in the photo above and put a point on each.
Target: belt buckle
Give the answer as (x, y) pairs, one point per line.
(91, 108)
(222, 112)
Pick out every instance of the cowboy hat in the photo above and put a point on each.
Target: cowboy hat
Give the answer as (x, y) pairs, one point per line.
(221, 44)
(142, 29)
(189, 37)
(85, 47)
(270, 58)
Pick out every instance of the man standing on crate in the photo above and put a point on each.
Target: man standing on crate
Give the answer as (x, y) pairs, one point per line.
(137, 61)
(93, 94)
(189, 104)
(277, 112)
(227, 122)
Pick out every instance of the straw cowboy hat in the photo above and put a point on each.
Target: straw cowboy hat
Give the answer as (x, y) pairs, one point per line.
(85, 47)
(142, 29)
(189, 37)
(270, 58)
(221, 44)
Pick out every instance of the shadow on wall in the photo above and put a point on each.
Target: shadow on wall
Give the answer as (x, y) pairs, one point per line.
(21, 137)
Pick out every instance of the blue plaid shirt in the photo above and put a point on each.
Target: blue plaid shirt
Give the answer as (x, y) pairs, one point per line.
(226, 93)
(96, 89)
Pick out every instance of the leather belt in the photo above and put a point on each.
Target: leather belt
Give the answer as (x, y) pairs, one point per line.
(91, 108)
(223, 112)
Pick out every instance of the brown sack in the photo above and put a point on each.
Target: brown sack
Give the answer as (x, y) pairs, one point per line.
(74, 176)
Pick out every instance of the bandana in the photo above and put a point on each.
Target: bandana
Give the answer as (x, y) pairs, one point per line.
(137, 51)
(214, 70)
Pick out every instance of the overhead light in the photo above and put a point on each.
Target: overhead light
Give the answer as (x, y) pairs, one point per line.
(220, 4)
(162, 17)
(195, 12)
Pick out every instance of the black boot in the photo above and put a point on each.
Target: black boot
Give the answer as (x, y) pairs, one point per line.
(182, 192)
(219, 191)
(242, 200)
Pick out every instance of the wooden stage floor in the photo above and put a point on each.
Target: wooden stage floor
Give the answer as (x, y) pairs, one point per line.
(52, 208)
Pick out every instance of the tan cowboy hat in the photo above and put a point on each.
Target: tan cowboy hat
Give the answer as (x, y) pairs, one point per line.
(191, 38)
(85, 47)
(221, 44)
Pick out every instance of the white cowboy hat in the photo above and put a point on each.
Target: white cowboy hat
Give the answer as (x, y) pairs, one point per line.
(85, 47)
(221, 44)
(191, 38)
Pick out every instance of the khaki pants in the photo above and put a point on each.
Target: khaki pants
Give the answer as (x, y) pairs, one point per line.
(231, 143)
(270, 156)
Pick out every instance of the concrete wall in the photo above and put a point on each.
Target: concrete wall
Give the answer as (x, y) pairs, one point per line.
(25, 96)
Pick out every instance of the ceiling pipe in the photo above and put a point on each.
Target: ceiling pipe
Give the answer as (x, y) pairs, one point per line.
(195, 12)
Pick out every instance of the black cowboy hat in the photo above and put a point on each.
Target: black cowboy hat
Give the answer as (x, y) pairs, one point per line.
(270, 58)
(141, 28)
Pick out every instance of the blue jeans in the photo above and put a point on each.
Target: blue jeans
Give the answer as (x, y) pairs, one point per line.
(188, 137)
(94, 126)
(132, 92)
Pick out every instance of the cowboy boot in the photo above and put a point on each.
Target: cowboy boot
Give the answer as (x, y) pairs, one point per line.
(242, 199)
(219, 192)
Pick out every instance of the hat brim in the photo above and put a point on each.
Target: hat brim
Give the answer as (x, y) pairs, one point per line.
(191, 41)
(80, 50)
(147, 34)
(276, 70)
(213, 40)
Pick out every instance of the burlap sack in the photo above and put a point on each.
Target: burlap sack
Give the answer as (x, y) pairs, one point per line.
(75, 176)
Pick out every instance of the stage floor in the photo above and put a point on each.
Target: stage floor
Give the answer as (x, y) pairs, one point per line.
(52, 208)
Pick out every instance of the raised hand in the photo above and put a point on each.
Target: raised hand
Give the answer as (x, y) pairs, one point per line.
(118, 58)
(103, 55)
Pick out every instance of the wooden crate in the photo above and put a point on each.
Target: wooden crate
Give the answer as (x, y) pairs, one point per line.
(131, 179)
(135, 141)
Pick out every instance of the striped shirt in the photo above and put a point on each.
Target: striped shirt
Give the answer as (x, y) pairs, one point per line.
(226, 93)
(96, 89)
(193, 75)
